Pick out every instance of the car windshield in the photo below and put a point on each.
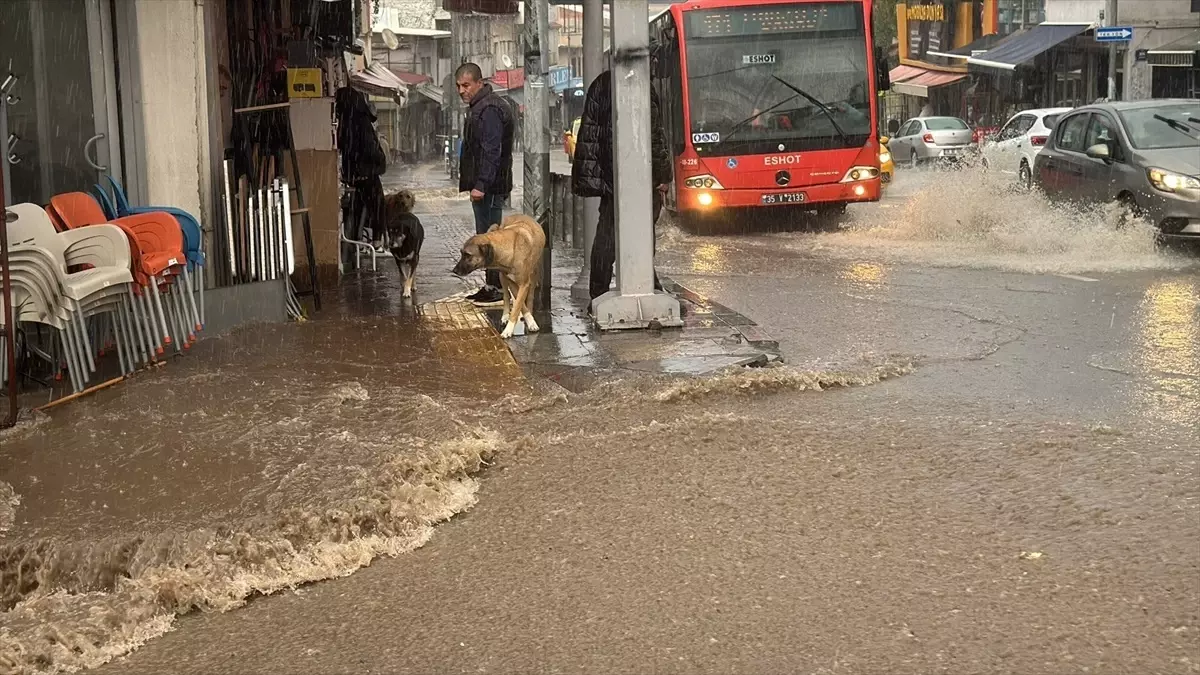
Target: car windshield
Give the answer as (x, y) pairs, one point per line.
(945, 124)
(754, 72)
(1167, 126)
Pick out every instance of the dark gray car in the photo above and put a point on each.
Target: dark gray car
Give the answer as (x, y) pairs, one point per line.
(1144, 154)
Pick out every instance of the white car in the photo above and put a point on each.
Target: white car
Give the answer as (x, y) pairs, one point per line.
(1012, 149)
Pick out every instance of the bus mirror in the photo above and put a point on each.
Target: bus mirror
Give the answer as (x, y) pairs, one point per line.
(893, 127)
(883, 78)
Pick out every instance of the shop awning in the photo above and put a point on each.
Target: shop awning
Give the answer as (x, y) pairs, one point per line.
(1180, 53)
(379, 81)
(509, 79)
(431, 92)
(930, 79)
(1021, 48)
(901, 73)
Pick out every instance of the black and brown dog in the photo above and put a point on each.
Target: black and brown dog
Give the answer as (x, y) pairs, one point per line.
(403, 235)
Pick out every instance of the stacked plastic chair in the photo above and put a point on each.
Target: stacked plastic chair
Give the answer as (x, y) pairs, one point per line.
(46, 292)
(168, 312)
(193, 239)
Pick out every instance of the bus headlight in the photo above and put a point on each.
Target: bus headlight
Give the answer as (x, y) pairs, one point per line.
(704, 199)
(704, 182)
(857, 173)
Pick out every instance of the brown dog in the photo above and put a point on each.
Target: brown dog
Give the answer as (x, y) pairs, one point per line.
(513, 248)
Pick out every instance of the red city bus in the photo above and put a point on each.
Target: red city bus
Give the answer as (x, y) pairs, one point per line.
(769, 103)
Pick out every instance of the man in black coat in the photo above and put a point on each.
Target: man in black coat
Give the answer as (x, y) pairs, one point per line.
(485, 166)
(592, 172)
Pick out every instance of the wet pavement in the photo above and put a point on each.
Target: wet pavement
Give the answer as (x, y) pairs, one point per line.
(981, 456)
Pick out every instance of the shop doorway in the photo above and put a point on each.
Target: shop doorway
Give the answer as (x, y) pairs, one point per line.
(65, 123)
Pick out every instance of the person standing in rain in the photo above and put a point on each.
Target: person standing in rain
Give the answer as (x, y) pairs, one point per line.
(592, 172)
(485, 165)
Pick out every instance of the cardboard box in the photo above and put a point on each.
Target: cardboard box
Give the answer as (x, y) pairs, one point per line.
(304, 83)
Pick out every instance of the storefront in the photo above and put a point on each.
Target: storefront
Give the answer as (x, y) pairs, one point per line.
(928, 81)
(1176, 68)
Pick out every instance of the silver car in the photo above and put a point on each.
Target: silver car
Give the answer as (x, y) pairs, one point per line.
(926, 138)
(1143, 154)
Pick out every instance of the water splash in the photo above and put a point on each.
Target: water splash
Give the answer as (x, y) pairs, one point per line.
(779, 378)
(977, 218)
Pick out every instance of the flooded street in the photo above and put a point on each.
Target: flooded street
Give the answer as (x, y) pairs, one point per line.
(980, 456)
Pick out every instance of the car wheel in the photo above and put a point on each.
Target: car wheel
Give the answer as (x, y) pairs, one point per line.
(912, 160)
(1025, 177)
(1129, 209)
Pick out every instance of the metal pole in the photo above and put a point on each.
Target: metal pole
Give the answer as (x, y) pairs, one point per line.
(1110, 19)
(593, 65)
(450, 97)
(635, 303)
(535, 200)
(10, 329)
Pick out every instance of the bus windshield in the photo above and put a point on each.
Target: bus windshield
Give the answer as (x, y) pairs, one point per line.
(777, 78)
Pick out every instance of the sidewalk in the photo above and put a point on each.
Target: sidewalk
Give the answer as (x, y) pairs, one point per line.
(569, 350)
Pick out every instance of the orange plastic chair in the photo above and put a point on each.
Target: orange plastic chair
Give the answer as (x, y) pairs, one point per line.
(156, 246)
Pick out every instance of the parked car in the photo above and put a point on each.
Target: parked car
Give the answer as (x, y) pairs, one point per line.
(1142, 154)
(1019, 141)
(925, 138)
(887, 166)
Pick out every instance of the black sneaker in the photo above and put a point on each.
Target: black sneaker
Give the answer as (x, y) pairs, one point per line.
(486, 297)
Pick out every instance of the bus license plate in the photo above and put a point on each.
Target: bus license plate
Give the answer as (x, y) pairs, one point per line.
(784, 198)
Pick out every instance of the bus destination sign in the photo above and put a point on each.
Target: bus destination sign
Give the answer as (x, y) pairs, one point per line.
(774, 19)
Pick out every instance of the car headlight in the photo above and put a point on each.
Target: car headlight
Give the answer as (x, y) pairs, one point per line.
(885, 157)
(857, 173)
(1170, 182)
(704, 182)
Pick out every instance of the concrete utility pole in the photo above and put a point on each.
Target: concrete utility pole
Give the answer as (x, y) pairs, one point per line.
(1110, 19)
(635, 303)
(593, 65)
(536, 197)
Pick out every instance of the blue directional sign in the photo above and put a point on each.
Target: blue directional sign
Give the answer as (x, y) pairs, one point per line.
(1114, 34)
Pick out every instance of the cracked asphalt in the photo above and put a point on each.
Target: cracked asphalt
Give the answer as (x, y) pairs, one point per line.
(1026, 500)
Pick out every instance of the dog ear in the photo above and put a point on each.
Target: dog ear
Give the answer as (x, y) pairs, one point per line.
(488, 255)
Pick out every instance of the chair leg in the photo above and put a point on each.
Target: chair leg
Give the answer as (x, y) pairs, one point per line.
(158, 307)
(191, 298)
(85, 339)
(133, 335)
(69, 354)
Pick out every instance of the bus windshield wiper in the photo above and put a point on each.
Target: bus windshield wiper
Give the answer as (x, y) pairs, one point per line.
(824, 108)
(738, 127)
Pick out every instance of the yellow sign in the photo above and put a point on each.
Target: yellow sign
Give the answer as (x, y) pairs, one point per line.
(304, 82)
(926, 12)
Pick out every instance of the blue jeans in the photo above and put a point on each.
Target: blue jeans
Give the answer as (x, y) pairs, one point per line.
(488, 212)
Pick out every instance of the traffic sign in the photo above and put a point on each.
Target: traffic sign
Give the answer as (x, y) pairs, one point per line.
(1114, 34)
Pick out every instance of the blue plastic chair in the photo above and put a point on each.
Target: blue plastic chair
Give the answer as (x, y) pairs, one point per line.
(192, 236)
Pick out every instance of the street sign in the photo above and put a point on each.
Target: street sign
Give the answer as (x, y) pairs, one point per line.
(1114, 34)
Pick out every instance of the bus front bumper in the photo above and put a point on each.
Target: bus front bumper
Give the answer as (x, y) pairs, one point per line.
(811, 196)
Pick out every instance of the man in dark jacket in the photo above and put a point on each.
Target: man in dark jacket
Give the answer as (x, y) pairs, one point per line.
(485, 166)
(592, 172)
